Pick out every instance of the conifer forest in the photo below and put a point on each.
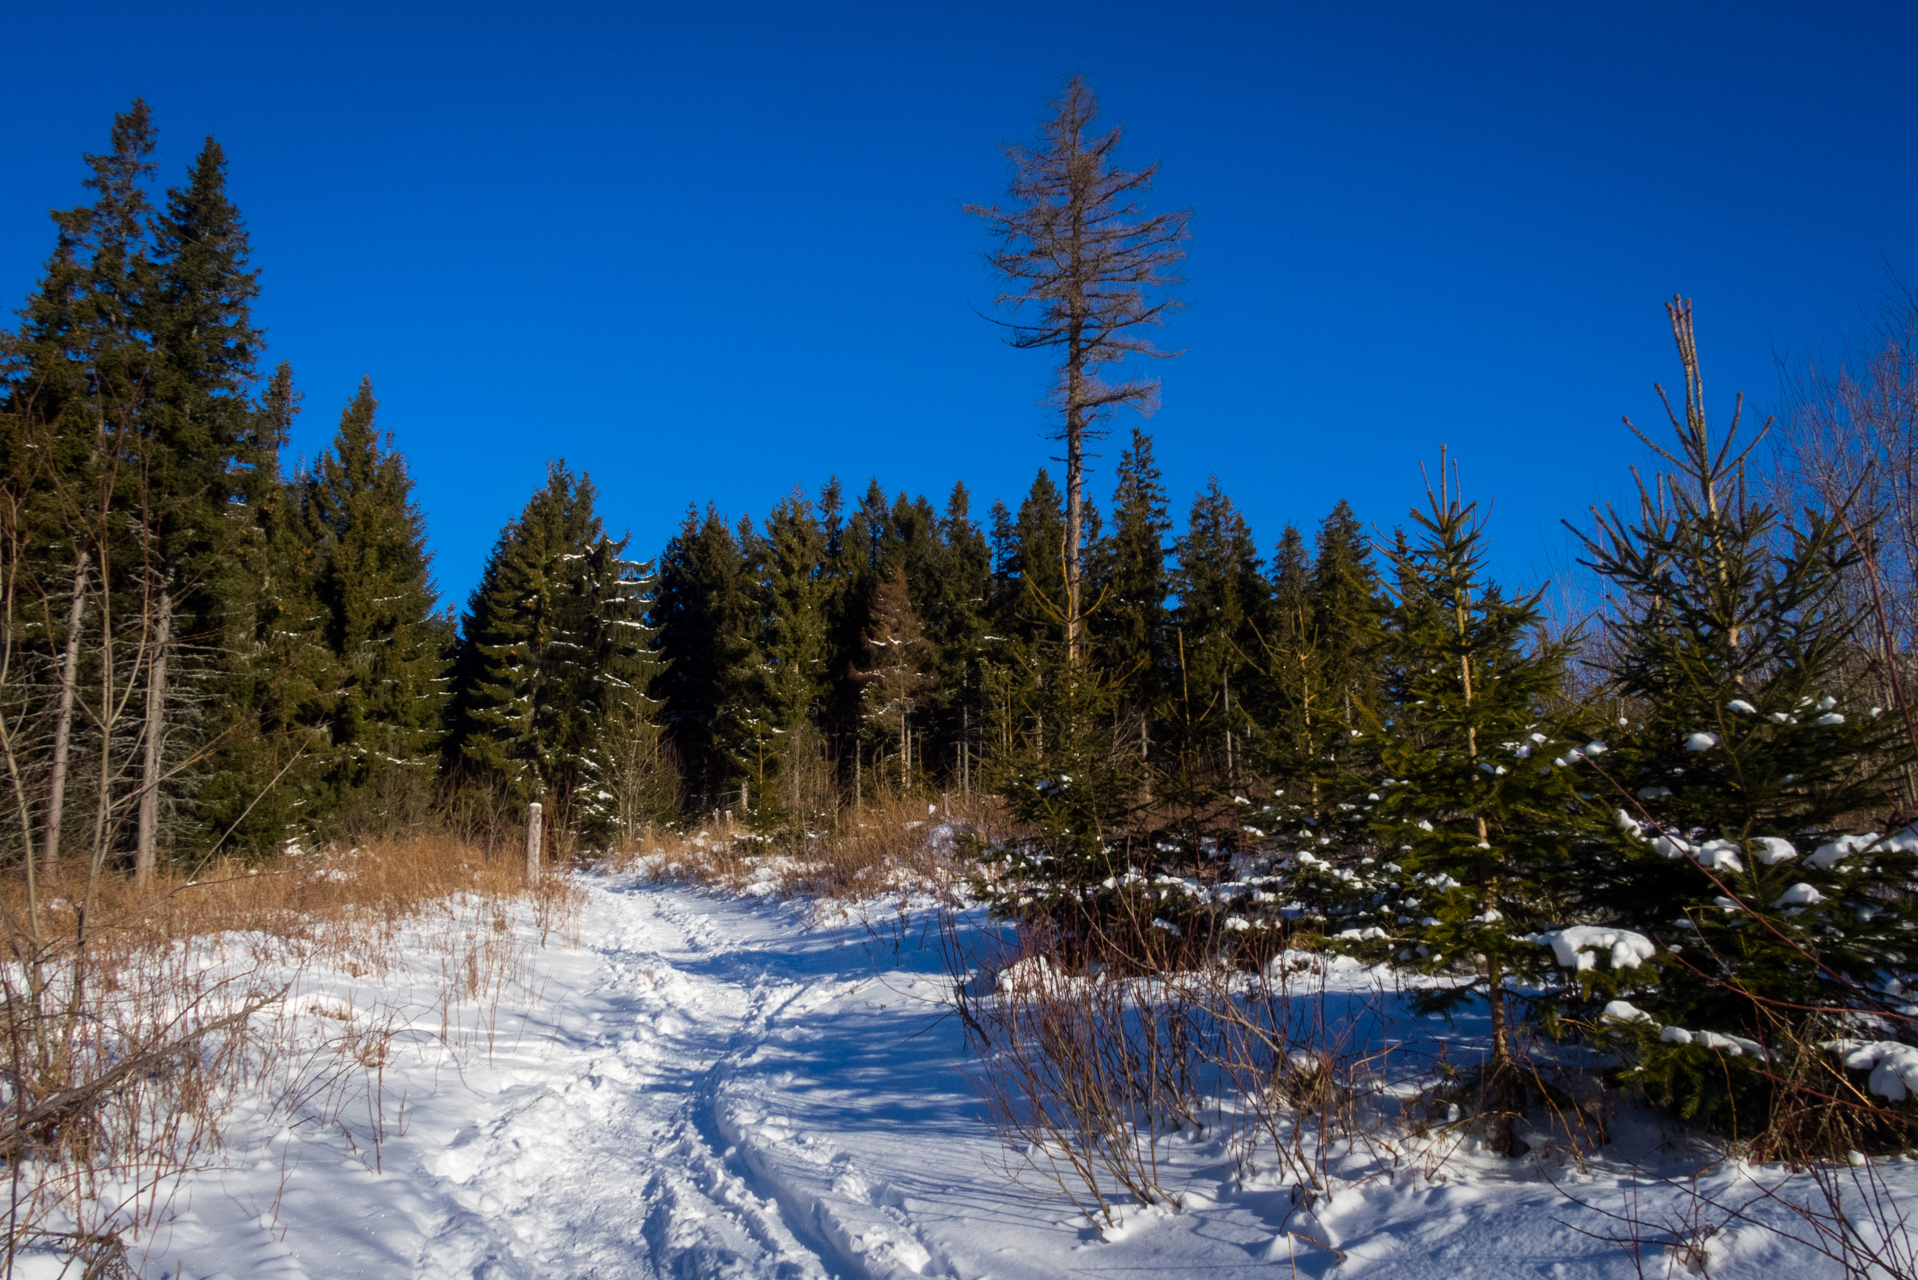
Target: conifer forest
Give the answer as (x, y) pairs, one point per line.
(1650, 839)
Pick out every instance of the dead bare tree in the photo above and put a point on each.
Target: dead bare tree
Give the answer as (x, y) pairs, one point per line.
(1850, 446)
(1077, 245)
(63, 717)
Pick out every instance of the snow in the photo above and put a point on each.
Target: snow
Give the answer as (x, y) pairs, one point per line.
(738, 1087)
(1578, 946)
(1893, 1067)
(1830, 855)
(1624, 1011)
(1771, 850)
(1701, 742)
(1799, 895)
(1720, 855)
(1731, 1046)
(1713, 855)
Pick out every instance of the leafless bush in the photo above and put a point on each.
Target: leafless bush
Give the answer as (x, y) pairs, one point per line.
(1089, 1061)
(1083, 1074)
(1849, 445)
(1300, 1066)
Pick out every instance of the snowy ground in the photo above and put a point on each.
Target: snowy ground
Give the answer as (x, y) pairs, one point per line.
(714, 1086)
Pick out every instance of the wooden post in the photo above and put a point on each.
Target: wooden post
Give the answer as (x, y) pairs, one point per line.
(532, 841)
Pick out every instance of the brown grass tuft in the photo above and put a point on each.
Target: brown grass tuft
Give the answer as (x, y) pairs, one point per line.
(134, 1017)
(895, 845)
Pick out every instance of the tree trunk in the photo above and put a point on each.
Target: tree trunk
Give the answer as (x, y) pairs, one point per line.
(965, 752)
(1501, 1029)
(63, 719)
(1075, 503)
(1231, 774)
(143, 856)
(1075, 433)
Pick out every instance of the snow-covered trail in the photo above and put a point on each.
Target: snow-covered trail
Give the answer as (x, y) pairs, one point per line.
(712, 1086)
(690, 1098)
(648, 1141)
(610, 1160)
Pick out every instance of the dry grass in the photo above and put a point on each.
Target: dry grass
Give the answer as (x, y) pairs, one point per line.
(136, 1017)
(894, 845)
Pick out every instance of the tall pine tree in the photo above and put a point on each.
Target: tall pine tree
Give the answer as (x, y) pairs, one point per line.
(706, 615)
(553, 650)
(1128, 618)
(375, 588)
(1224, 602)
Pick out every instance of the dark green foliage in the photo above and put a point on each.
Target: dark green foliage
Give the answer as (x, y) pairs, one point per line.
(897, 676)
(954, 602)
(1486, 827)
(795, 675)
(1224, 607)
(553, 650)
(1345, 611)
(707, 618)
(1064, 783)
(134, 441)
(1127, 611)
(1744, 774)
(265, 781)
(1303, 716)
(1029, 573)
(213, 484)
(375, 593)
(203, 450)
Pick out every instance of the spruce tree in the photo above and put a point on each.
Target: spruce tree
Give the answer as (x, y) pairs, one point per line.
(751, 734)
(855, 552)
(1320, 654)
(1073, 872)
(1485, 828)
(554, 656)
(201, 426)
(78, 369)
(1129, 616)
(212, 471)
(1028, 584)
(1345, 606)
(1302, 717)
(266, 782)
(897, 675)
(79, 364)
(1224, 602)
(706, 616)
(794, 588)
(1029, 577)
(956, 599)
(1744, 772)
(794, 668)
(614, 669)
(376, 591)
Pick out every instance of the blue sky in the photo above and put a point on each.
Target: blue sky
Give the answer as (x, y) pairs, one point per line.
(712, 251)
